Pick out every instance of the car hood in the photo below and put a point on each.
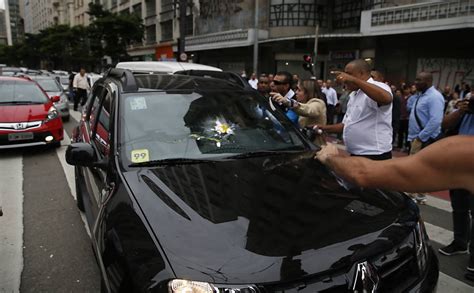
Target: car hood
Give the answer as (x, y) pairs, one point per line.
(24, 113)
(266, 219)
(52, 94)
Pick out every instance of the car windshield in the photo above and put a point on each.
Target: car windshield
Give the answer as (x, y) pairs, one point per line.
(12, 91)
(64, 80)
(49, 85)
(159, 126)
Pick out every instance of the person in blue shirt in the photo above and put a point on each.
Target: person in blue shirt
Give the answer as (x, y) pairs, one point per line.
(462, 201)
(426, 113)
(282, 83)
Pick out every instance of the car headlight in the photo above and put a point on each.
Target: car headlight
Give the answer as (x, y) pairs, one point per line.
(63, 98)
(52, 114)
(184, 286)
(421, 246)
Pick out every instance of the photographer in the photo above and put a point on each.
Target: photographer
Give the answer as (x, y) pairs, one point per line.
(462, 201)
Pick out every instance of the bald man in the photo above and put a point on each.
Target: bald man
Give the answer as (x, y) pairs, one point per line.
(426, 113)
(367, 124)
(440, 169)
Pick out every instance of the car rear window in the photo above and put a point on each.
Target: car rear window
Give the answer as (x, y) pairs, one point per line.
(21, 91)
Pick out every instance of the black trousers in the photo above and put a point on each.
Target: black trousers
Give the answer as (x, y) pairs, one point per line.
(330, 114)
(403, 134)
(462, 202)
(381, 157)
(80, 97)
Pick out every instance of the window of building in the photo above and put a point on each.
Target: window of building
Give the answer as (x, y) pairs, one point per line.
(167, 30)
(297, 13)
(346, 13)
(137, 9)
(151, 34)
(150, 6)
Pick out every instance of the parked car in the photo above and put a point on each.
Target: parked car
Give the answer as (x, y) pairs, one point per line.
(11, 71)
(53, 88)
(27, 116)
(196, 184)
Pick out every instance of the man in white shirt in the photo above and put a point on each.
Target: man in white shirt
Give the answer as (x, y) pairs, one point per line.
(367, 125)
(253, 81)
(331, 100)
(80, 86)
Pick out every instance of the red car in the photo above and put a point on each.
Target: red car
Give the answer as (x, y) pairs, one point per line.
(27, 116)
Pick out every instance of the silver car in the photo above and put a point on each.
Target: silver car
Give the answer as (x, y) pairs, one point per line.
(53, 88)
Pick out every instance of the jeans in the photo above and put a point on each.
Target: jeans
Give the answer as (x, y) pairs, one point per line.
(462, 202)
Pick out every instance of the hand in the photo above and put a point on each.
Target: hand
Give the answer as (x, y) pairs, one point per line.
(318, 129)
(463, 106)
(342, 77)
(327, 151)
(416, 145)
(276, 97)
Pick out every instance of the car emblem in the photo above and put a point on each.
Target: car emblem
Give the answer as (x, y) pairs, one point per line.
(19, 126)
(366, 278)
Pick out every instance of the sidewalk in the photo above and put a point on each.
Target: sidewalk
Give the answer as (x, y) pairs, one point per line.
(397, 153)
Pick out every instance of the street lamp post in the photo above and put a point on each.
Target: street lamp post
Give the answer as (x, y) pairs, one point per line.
(255, 39)
(182, 29)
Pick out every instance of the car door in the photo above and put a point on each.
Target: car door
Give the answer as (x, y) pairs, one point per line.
(98, 126)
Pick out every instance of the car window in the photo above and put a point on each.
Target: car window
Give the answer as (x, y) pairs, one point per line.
(49, 85)
(197, 125)
(102, 131)
(21, 91)
(94, 110)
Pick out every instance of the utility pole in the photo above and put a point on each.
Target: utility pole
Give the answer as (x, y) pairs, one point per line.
(182, 30)
(315, 53)
(255, 39)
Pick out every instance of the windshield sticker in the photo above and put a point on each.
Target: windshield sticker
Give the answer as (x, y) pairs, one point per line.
(140, 156)
(138, 103)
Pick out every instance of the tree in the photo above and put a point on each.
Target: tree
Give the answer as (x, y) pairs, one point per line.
(111, 33)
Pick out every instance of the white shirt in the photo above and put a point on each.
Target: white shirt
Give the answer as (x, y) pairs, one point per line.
(368, 127)
(331, 96)
(253, 83)
(80, 82)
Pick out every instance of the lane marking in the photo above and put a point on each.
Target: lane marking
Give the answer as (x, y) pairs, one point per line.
(75, 115)
(69, 173)
(449, 284)
(11, 236)
(438, 203)
(438, 234)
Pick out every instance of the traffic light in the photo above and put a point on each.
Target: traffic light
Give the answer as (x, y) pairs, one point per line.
(308, 63)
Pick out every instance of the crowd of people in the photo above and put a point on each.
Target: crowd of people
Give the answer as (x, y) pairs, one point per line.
(373, 117)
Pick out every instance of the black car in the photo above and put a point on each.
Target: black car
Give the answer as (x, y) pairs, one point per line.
(196, 184)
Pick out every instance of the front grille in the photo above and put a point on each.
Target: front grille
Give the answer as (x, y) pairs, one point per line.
(20, 126)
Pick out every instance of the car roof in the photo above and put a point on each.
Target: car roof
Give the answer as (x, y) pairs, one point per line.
(168, 82)
(163, 66)
(13, 78)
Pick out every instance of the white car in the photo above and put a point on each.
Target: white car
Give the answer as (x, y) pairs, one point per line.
(163, 66)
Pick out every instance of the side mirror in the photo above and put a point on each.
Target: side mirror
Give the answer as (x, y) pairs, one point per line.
(55, 99)
(81, 154)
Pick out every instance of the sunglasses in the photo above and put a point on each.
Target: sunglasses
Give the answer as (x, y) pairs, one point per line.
(276, 82)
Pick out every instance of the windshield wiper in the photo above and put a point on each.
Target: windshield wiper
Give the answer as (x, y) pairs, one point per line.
(263, 154)
(171, 161)
(19, 102)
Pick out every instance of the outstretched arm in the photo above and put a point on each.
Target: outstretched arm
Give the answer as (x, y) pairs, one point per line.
(446, 164)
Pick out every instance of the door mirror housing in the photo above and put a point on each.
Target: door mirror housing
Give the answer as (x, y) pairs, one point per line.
(55, 99)
(81, 154)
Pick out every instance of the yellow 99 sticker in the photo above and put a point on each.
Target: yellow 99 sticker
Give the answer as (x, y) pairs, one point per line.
(140, 156)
